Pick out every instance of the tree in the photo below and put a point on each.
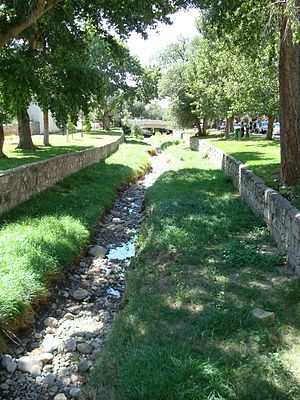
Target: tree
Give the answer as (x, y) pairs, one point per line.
(236, 16)
(103, 15)
(174, 84)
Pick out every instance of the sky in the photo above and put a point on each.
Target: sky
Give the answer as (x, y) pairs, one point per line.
(184, 23)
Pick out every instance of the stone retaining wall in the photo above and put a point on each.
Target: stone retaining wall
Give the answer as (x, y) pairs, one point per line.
(12, 129)
(20, 183)
(282, 219)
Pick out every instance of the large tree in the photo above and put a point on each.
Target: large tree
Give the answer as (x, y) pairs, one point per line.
(260, 21)
(104, 15)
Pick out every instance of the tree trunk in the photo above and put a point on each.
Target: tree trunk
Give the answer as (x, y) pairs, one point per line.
(204, 130)
(2, 155)
(25, 139)
(289, 86)
(200, 131)
(269, 135)
(231, 127)
(227, 127)
(46, 128)
(106, 121)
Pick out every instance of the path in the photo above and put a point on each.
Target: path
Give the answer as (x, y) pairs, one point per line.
(67, 335)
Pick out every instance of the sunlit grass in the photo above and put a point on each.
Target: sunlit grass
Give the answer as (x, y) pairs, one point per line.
(41, 237)
(60, 144)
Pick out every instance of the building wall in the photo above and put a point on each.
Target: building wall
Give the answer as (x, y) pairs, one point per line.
(37, 115)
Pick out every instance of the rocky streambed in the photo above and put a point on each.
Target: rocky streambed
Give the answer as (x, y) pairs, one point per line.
(54, 356)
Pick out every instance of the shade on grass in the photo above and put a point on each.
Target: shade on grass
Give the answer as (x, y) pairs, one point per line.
(44, 235)
(204, 262)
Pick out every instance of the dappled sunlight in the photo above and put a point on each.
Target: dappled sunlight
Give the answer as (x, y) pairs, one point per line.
(203, 263)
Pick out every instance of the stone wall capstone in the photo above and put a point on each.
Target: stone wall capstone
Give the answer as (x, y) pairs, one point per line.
(19, 184)
(282, 219)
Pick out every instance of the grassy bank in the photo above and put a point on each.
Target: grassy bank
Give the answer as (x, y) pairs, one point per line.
(204, 262)
(42, 236)
(60, 144)
(262, 156)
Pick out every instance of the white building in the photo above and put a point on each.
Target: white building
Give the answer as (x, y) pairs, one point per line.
(37, 115)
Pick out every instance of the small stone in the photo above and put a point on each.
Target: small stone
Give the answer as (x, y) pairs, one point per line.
(80, 294)
(75, 392)
(4, 386)
(69, 316)
(36, 371)
(46, 358)
(49, 379)
(38, 336)
(60, 396)
(262, 314)
(70, 346)
(84, 365)
(51, 322)
(9, 363)
(74, 378)
(117, 221)
(98, 251)
(50, 343)
(64, 372)
(84, 348)
(28, 364)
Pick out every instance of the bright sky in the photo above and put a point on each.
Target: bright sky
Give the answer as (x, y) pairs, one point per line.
(184, 23)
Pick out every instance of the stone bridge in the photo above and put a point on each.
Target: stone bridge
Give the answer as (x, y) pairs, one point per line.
(155, 124)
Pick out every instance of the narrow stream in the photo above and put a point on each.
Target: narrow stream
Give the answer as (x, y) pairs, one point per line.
(55, 354)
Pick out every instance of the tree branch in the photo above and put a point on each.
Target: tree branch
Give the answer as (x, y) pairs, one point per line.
(42, 7)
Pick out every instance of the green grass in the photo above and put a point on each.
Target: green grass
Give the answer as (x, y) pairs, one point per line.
(204, 262)
(261, 155)
(60, 144)
(41, 237)
(263, 158)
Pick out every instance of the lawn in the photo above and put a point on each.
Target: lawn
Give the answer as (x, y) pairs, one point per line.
(41, 237)
(204, 262)
(60, 144)
(263, 158)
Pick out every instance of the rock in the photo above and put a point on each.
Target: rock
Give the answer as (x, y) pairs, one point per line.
(51, 322)
(4, 386)
(36, 371)
(46, 358)
(60, 396)
(9, 363)
(117, 221)
(74, 378)
(38, 336)
(69, 316)
(84, 366)
(49, 379)
(64, 372)
(6, 358)
(75, 392)
(262, 315)
(50, 343)
(98, 251)
(80, 294)
(70, 346)
(29, 364)
(84, 348)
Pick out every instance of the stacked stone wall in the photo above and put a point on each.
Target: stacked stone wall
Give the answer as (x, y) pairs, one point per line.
(20, 183)
(282, 219)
